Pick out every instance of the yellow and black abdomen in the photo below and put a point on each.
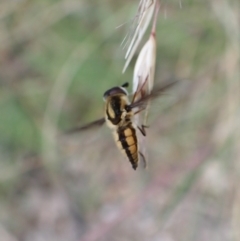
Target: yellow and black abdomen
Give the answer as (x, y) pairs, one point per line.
(126, 140)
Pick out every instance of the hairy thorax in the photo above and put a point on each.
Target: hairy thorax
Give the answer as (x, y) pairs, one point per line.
(117, 111)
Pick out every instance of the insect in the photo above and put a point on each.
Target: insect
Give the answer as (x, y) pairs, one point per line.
(119, 113)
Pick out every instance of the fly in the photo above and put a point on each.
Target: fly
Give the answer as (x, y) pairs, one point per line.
(119, 113)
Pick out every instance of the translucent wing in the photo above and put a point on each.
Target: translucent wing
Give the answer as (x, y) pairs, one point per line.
(96, 123)
(156, 92)
(139, 103)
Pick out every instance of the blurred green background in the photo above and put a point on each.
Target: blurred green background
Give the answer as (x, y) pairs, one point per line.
(57, 58)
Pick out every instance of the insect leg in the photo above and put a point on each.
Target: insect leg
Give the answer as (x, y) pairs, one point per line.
(138, 111)
(142, 129)
(143, 159)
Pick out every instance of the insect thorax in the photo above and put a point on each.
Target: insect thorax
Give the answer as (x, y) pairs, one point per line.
(117, 110)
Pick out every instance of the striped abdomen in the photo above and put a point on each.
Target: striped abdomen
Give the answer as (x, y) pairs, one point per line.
(126, 139)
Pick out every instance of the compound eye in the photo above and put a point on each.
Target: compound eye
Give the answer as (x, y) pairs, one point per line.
(114, 91)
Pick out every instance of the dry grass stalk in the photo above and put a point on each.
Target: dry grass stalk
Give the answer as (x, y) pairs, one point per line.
(142, 20)
(144, 70)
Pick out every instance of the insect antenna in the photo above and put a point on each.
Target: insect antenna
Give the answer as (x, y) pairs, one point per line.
(125, 84)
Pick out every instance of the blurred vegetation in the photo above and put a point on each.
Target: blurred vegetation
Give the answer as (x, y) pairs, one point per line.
(57, 58)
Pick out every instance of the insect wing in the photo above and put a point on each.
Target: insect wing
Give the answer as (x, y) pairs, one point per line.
(96, 123)
(142, 103)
